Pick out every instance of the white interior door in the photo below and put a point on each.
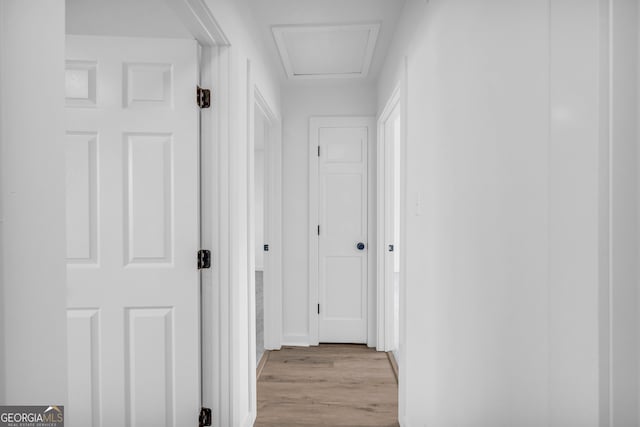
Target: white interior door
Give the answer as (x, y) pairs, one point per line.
(342, 240)
(132, 232)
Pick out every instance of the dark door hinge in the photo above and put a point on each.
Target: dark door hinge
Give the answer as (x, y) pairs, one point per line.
(205, 417)
(204, 259)
(318, 151)
(318, 230)
(203, 97)
(318, 308)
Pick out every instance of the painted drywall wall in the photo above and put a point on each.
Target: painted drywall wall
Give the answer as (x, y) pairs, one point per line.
(32, 216)
(574, 209)
(237, 21)
(300, 103)
(506, 211)
(476, 192)
(260, 134)
(3, 381)
(624, 214)
(233, 394)
(638, 208)
(259, 208)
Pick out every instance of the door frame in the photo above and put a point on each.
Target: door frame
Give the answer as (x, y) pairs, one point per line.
(314, 269)
(213, 126)
(398, 97)
(272, 278)
(385, 292)
(272, 299)
(215, 313)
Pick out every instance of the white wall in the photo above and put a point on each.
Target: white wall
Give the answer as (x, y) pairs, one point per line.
(575, 215)
(32, 220)
(259, 207)
(300, 103)
(260, 138)
(638, 209)
(624, 219)
(2, 283)
(233, 395)
(507, 212)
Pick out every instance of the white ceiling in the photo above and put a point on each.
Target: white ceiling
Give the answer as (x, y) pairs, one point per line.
(337, 45)
(335, 35)
(126, 18)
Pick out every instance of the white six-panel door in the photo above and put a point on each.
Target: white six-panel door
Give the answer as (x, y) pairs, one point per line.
(132, 232)
(342, 215)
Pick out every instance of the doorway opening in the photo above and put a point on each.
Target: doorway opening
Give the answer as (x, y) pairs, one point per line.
(390, 215)
(261, 247)
(247, 305)
(139, 185)
(264, 228)
(265, 209)
(340, 180)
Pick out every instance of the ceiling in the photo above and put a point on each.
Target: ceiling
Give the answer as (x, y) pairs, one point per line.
(328, 39)
(317, 40)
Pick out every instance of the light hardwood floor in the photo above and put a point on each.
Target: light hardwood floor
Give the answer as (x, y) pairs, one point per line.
(331, 385)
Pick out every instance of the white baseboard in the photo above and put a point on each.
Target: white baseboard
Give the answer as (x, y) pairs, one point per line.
(296, 340)
(250, 420)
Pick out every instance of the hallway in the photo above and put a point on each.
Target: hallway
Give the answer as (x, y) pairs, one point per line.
(328, 385)
(186, 185)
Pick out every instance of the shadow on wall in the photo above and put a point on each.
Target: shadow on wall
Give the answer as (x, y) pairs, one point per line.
(259, 316)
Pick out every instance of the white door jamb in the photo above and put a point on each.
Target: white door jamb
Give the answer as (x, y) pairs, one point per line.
(272, 232)
(273, 218)
(214, 201)
(385, 321)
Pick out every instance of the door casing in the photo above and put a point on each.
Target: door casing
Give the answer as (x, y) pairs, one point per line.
(272, 230)
(272, 212)
(216, 317)
(385, 318)
(398, 98)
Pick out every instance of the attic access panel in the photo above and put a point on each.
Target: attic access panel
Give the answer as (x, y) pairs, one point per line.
(326, 51)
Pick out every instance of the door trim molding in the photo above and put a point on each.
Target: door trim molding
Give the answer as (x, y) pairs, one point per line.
(385, 326)
(401, 90)
(272, 279)
(273, 226)
(272, 212)
(198, 19)
(215, 300)
(214, 221)
(314, 124)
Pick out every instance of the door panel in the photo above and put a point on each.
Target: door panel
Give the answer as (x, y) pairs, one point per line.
(343, 222)
(83, 355)
(81, 207)
(148, 198)
(132, 232)
(342, 300)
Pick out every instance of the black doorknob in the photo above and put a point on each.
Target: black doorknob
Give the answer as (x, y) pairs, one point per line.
(360, 246)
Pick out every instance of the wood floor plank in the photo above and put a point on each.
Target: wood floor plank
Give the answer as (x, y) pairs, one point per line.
(334, 385)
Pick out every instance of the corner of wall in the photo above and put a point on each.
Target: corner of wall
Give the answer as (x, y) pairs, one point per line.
(33, 177)
(638, 200)
(2, 310)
